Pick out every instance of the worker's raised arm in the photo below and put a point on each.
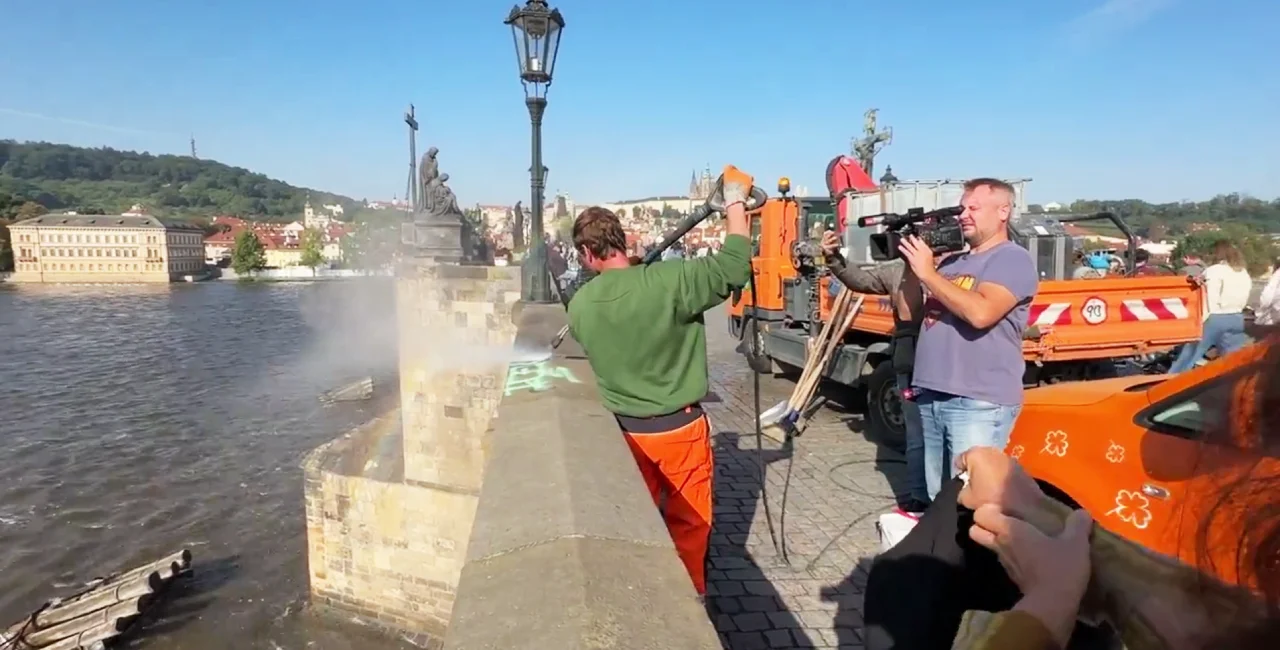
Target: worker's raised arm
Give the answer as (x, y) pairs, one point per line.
(704, 282)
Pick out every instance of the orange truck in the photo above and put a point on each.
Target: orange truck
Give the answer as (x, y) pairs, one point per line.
(1095, 328)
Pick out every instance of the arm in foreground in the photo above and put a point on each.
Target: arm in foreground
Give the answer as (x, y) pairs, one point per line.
(1144, 595)
(1012, 630)
(881, 279)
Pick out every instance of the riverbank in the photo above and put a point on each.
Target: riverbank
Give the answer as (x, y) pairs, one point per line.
(296, 273)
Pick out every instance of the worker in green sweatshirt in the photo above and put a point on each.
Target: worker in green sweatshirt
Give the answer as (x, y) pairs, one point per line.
(642, 329)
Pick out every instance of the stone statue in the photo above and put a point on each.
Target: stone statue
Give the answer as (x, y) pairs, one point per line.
(441, 200)
(517, 225)
(428, 173)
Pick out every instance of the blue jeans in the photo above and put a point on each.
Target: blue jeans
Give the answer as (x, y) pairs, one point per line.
(916, 487)
(952, 425)
(1223, 331)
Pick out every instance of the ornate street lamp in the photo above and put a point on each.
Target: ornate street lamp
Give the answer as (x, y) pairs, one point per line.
(535, 29)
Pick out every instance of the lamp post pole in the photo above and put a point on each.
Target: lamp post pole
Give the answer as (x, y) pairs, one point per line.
(535, 31)
(535, 273)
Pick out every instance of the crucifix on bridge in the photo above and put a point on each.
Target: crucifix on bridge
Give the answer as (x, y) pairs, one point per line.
(871, 142)
(411, 193)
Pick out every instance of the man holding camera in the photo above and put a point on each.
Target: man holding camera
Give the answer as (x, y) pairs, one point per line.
(883, 279)
(973, 308)
(643, 331)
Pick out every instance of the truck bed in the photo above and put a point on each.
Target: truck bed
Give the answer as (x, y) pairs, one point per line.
(1085, 319)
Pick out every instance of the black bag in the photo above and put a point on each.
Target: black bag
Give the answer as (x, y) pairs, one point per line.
(918, 591)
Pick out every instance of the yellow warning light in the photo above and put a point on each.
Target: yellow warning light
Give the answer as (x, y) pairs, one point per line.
(784, 185)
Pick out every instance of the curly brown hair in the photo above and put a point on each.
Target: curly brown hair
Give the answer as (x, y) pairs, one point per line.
(599, 231)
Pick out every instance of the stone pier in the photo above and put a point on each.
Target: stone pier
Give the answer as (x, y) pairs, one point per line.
(390, 506)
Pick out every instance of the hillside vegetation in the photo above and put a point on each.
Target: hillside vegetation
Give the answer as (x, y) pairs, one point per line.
(62, 177)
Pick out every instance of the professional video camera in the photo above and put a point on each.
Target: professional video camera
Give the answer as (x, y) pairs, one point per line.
(940, 229)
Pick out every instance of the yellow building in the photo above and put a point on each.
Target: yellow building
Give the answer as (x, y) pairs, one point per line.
(104, 248)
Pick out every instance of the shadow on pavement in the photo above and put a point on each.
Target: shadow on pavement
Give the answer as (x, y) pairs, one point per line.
(747, 609)
(850, 405)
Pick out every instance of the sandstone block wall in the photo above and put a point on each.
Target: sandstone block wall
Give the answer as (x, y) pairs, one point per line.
(387, 552)
(390, 548)
(456, 331)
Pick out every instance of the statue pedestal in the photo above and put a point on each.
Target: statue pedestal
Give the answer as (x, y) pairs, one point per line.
(435, 237)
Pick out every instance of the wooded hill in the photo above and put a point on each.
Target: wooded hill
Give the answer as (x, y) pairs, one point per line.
(108, 181)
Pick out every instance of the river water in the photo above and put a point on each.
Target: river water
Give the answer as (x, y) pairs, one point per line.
(136, 420)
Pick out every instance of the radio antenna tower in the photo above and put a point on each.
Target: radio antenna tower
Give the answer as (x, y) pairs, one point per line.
(193, 147)
(871, 142)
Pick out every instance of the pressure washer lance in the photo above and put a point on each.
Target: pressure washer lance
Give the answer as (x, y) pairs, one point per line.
(754, 202)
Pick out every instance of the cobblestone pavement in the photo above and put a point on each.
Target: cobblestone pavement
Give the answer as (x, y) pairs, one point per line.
(838, 483)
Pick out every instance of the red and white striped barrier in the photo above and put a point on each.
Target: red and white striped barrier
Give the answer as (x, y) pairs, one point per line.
(1153, 309)
(1054, 313)
(1094, 311)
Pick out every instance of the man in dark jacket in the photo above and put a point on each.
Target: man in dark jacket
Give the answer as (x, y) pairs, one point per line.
(881, 279)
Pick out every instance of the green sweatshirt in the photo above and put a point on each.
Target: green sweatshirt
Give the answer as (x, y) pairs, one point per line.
(643, 331)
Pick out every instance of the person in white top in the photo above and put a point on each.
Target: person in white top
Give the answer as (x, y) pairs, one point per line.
(1268, 311)
(1226, 293)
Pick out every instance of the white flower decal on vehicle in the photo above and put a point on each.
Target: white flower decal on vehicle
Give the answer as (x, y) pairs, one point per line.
(1132, 507)
(1016, 452)
(1115, 453)
(1055, 443)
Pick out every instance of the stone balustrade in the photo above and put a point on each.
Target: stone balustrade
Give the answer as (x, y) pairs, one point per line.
(499, 506)
(567, 550)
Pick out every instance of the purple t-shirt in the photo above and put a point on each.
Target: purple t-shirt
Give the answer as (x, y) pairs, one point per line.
(954, 357)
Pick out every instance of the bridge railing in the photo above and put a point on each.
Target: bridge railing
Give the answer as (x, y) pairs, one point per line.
(567, 549)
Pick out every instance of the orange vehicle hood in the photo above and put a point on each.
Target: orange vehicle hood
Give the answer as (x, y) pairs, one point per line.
(1085, 393)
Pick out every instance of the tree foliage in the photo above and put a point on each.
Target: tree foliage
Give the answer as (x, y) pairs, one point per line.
(312, 248)
(374, 242)
(248, 254)
(6, 249)
(1160, 220)
(62, 177)
(1259, 251)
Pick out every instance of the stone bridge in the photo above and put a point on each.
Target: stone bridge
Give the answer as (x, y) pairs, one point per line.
(498, 507)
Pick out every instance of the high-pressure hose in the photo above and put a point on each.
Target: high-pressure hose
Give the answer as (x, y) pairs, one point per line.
(778, 538)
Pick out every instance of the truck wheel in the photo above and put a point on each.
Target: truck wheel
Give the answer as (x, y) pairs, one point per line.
(884, 407)
(760, 362)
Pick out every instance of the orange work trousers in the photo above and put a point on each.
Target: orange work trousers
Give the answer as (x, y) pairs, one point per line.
(678, 464)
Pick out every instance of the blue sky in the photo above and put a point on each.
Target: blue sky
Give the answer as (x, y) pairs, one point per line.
(1156, 99)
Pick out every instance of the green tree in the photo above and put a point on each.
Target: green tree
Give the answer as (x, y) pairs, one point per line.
(30, 210)
(312, 248)
(6, 249)
(248, 254)
(87, 180)
(373, 243)
(564, 229)
(1259, 251)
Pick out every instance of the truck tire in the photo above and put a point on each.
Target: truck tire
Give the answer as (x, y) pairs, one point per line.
(761, 363)
(885, 421)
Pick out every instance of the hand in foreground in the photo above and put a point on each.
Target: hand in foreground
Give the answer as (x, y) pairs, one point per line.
(1051, 572)
(830, 243)
(737, 185)
(995, 479)
(918, 255)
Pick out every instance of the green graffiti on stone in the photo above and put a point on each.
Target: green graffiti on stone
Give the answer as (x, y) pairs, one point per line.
(536, 376)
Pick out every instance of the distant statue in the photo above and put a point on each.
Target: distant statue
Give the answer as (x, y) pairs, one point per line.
(428, 173)
(442, 200)
(517, 226)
